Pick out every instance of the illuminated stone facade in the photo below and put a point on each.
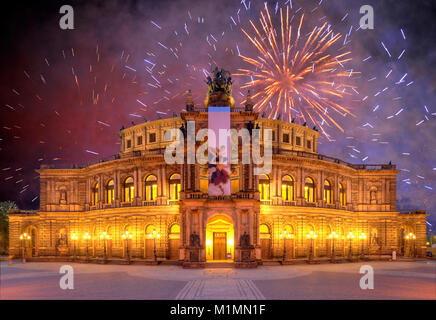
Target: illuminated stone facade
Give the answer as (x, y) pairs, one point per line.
(138, 192)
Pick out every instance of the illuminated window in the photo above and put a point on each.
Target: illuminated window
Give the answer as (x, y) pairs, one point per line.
(175, 187)
(264, 187)
(264, 230)
(110, 194)
(128, 190)
(175, 229)
(328, 192)
(288, 188)
(150, 188)
(204, 184)
(234, 184)
(94, 197)
(342, 195)
(309, 190)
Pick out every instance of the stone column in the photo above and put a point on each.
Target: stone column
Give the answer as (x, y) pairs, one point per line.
(197, 177)
(188, 178)
(273, 182)
(88, 191)
(135, 186)
(164, 184)
(100, 191)
(336, 191)
(140, 185)
(319, 187)
(188, 226)
(237, 228)
(241, 176)
(182, 177)
(250, 176)
(118, 197)
(250, 225)
(159, 182)
(279, 182)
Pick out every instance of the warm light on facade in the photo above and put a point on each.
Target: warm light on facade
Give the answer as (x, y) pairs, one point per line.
(410, 236)
(311, 235)
(333, 235)
(25, 236)
(104, 235)
(154, 234)
(127, 235)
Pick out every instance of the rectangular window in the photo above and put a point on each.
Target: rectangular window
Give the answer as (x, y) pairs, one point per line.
(139, 140)
(152, 137)
(273, 136)
(129, 143)
(286, 137)
(298, 141)
(309, 144)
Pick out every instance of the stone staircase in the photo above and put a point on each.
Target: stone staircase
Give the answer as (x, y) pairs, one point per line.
(219, 265)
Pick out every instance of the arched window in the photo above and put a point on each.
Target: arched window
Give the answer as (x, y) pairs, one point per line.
(149, 230)
(128, 190)
(342, 195)
(110, 194)
(264, 187)
(150, 188)
(94, 196)
(175, 187)
(288, 188)
(309, 190)
(328, 198)
(264, 231)
(175, 228)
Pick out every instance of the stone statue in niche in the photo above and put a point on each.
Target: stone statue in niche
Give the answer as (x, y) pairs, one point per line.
(373, 236)
(373, 196)
(62, 238)
(62, 243)
(63, 197)
(244, 240)
(195, 240)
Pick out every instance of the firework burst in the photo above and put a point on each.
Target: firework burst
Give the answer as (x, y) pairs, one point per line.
(297, 77)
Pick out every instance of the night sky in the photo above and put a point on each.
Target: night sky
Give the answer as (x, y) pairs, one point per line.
(66, 93)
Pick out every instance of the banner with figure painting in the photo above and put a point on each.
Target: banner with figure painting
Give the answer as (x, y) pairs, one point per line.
(219, 151)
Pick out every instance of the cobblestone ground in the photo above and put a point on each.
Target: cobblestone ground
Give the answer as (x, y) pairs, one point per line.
(392, 280)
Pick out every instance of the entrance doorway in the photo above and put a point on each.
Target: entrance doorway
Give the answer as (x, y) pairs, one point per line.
(220, 239)
(219, 245)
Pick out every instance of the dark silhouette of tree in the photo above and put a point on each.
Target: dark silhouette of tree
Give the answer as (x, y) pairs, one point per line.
(5, 207)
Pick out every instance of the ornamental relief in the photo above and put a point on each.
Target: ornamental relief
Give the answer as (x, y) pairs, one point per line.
(312, 173)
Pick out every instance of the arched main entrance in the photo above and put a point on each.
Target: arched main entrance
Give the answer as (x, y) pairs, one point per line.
(220, 239)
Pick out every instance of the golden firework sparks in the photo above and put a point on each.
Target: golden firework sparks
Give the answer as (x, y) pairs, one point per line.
(292, 74)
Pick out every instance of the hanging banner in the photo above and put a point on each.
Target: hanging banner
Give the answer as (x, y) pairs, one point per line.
(219, 151)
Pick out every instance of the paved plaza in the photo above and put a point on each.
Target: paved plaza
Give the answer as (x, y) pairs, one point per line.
(392, 280)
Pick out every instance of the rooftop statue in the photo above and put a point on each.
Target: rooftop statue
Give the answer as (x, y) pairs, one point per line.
(220, 87)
